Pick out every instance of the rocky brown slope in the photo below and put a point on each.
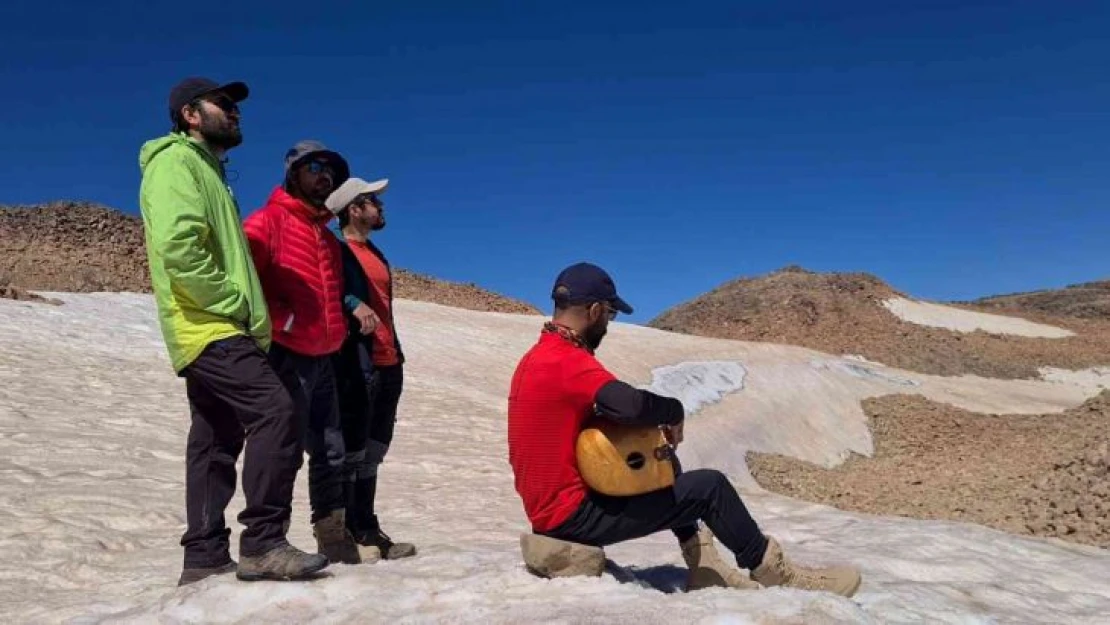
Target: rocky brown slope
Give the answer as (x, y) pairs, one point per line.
(842, 313)
(72, 246)
(1043, 475)
(1090, 300)
(83, 247)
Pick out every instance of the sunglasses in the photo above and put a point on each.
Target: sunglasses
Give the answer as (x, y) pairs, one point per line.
(609, 310)
(370, 198)
(319, 167)
(221, 102)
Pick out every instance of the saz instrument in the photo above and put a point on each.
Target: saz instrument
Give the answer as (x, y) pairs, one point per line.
(624, 460)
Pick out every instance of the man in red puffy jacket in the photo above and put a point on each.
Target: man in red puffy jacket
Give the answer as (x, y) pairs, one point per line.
(299, 264)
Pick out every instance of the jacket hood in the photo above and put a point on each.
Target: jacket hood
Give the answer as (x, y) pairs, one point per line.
(154, 147)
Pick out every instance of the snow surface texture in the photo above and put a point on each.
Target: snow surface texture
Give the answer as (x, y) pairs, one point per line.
(960, 320)
(92, 438)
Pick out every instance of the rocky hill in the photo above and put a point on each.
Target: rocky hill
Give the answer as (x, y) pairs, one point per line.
(842, 313)
(84, 247)
(1044, 475)
(1090, 300)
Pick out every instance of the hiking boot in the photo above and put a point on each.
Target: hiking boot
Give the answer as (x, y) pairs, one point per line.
(708, 569)
(333, 540)
(776, 570)
(195, 574)
(284, 562)
(388, 549)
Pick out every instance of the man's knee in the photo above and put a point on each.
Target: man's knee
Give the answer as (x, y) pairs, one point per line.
(276, 412)
(701, 483)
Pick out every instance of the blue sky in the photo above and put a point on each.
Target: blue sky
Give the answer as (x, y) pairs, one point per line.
(955, 149)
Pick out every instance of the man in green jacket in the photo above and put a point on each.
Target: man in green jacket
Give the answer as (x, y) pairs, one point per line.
(217, 332)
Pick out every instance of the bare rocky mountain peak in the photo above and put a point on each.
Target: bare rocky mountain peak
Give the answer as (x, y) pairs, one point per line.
(843, 313)
(73, 246)
(1089, 300)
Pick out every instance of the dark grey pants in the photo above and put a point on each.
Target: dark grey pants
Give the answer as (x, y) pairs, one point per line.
(311, 383)
(235, 396)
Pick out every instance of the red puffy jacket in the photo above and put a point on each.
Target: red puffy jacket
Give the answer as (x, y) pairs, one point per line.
(299, 263)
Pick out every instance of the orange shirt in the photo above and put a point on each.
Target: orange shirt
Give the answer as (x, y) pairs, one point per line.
(385, 348)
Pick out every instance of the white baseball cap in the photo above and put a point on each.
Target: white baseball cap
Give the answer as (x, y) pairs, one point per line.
(346, 193)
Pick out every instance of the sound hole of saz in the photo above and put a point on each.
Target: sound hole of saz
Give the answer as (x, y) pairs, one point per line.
(635, 460)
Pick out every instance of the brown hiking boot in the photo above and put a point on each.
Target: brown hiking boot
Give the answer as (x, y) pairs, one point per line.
(283, 562)
(192, 575)
(707, 569)
(776, 570)
(334, 540)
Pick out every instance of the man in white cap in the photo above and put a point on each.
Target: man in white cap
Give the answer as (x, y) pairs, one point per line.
(370, 364)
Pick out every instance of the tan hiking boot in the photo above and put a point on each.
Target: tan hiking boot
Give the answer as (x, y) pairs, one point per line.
(283, 562)
(387, 549)
(776, 570)
(708, 569)
(334, 540)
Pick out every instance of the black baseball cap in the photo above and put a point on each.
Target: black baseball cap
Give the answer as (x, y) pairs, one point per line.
(194, 87)
(585, 283)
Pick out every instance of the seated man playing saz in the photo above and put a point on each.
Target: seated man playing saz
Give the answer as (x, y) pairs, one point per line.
(558, 387)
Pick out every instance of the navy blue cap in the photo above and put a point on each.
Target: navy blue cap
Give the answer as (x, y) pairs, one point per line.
(584, 283)
(193, 87)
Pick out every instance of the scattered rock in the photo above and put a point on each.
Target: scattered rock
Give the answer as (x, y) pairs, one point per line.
(549, 557)
(11, 292)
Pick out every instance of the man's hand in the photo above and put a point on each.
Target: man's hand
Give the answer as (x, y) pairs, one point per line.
(674, 433)
(368, 321)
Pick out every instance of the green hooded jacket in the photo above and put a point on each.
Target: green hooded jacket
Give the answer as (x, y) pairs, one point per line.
(204, 280)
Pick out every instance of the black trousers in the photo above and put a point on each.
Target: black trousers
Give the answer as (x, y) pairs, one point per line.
(311, 383)
(369, 397)
(702, 494)
(236, 397)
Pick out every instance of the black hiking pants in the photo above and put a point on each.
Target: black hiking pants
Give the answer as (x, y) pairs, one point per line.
(369, 396)
(236, 397)
(702, 494)
(311, 383)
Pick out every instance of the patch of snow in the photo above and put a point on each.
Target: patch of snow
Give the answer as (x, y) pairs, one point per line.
(1093, 380)
(92, 441)
(697, 384)
(960, 320)
(858, 370)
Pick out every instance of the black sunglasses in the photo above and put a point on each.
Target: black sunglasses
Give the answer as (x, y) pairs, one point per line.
(609, 310)
(221, 102)
(319, 167)
(370, 198)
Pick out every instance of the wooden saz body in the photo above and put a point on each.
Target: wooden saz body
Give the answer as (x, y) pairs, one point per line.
(624, 460)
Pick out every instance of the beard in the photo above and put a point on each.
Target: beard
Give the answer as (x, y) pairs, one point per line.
(317, 194)
(378, 224)
(219, 133)
(593, 336)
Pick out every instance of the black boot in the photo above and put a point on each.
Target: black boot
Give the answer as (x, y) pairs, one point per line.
(366, 530)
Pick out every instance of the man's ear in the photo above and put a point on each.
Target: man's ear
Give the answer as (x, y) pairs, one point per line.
(593, 312)
(191, 114)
